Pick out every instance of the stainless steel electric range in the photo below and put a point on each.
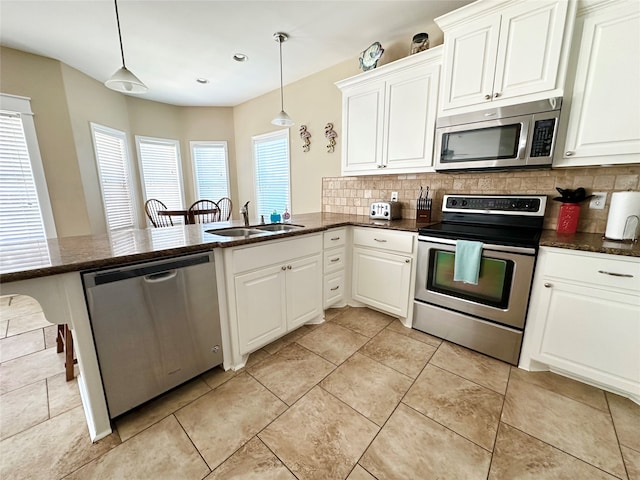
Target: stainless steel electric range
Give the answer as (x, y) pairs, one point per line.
(488, 317)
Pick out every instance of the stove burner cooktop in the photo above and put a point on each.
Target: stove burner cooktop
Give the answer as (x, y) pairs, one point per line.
(497, 219)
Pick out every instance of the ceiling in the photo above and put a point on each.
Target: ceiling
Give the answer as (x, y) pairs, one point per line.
(168, 44)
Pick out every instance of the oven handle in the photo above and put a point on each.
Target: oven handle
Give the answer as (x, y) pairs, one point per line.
(485, 246)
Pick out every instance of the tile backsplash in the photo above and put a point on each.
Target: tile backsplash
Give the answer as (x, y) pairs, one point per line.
(354, 194)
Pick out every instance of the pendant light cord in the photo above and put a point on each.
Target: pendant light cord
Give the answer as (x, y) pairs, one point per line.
(280, 39)
(119, 33)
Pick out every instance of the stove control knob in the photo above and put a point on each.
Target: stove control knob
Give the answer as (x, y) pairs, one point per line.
(464, 203)
(373, 212)
(386, 213)
(454, 202)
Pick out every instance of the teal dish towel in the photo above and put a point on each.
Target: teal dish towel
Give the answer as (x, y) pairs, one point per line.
(467, 261)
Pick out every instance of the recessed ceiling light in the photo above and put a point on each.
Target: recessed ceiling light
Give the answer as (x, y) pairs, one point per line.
(202, 80)
(240, 57)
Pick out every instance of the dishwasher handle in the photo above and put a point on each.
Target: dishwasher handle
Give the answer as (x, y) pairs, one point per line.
(159, 270)
(160, 277)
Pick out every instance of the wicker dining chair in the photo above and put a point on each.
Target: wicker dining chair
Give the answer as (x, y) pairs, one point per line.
(204, 211)
(152, 207)
(225, 205)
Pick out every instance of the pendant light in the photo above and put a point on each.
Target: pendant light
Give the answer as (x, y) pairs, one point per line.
(123, 80)
(282, 119)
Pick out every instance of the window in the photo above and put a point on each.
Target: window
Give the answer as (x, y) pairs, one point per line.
(210, 170)
(112, 158)
(160, 170)
(26, 218)
(271, 155)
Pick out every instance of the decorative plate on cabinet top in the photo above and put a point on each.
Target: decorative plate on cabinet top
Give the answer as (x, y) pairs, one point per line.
(369, 58)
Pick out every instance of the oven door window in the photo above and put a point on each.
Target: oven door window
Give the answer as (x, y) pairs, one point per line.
(492, 143)
(494, 283)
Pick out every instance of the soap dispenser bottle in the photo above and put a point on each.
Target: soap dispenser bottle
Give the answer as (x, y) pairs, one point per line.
(275, 216)
(286, 216)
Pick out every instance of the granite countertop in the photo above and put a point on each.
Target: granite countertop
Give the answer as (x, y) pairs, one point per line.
(72, 254)
(588, 242)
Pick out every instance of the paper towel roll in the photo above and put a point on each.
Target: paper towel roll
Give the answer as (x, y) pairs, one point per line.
(624, 206)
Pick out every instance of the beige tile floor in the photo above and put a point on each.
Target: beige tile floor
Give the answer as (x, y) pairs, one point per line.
(358, 397)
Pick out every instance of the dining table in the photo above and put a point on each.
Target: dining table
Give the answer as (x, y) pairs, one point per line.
(189, 216)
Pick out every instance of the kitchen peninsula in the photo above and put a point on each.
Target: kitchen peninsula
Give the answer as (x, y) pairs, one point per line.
(53, 278)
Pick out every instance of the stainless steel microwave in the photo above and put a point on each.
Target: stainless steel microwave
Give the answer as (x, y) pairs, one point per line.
(516, 136)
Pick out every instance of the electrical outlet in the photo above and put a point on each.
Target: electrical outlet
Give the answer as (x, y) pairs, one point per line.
(394, 196)
(598, 200)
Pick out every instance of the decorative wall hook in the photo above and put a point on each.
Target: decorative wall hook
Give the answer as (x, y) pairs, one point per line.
(331, 135)
(305, 136)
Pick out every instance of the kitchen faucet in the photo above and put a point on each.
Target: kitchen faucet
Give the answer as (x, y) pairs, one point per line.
(244, 211)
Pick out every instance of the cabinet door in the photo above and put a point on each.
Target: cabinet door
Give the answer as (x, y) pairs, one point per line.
(592, 333)
(531, 36)
(304, 290)
(604, 120)
(362, 121)
(261, 307)
(410, 110)
(469, 63)
(382, 280)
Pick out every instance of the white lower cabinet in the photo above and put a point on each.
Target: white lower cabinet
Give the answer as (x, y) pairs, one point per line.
(382, 269)
(275, 288)
(584, 319)
(335, 243)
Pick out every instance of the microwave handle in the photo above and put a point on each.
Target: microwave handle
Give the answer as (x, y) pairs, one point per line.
(525, 126)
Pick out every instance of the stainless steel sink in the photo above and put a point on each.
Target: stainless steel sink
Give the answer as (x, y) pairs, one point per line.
(278, 227)
(235, 232)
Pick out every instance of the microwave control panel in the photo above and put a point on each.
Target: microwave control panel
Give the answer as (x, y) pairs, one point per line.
(542, 140)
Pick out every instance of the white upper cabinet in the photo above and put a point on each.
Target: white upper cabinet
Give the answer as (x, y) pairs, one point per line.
(388, 116)
(601, 124)
(503, 52)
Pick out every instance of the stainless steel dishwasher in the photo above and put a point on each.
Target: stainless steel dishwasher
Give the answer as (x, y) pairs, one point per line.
(155, 325)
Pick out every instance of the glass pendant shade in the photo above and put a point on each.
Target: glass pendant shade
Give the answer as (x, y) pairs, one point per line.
(282, 120)
(126, 82)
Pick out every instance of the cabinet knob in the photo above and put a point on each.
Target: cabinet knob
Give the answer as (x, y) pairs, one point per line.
(569, 153)
(283, 267)
(288, 267)
(496, 95)
(487, 97)
(548, 285)
(407, 261)
(379, 166)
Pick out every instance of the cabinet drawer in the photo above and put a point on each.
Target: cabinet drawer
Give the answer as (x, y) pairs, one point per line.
(335, 237)
(401, 242)
(333, 289)
(275, 251)
(334, 259)
(598, 269)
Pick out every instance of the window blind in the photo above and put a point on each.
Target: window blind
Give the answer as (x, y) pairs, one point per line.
(210, 170)
(160, 171)
(113, 169)
(22, 232)
(271, 154)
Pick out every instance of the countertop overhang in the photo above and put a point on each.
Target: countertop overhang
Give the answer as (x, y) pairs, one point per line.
(87, 252)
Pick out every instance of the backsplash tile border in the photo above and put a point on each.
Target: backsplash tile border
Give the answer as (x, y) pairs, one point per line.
(353, 195)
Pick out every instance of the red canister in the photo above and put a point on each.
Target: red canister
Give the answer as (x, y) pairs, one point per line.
(568, 218)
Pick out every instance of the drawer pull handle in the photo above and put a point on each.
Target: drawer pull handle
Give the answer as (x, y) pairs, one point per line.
(548, 285)
(381, 240)
(614, 274)
(335, 238)
(335, 288)
(337, 259)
